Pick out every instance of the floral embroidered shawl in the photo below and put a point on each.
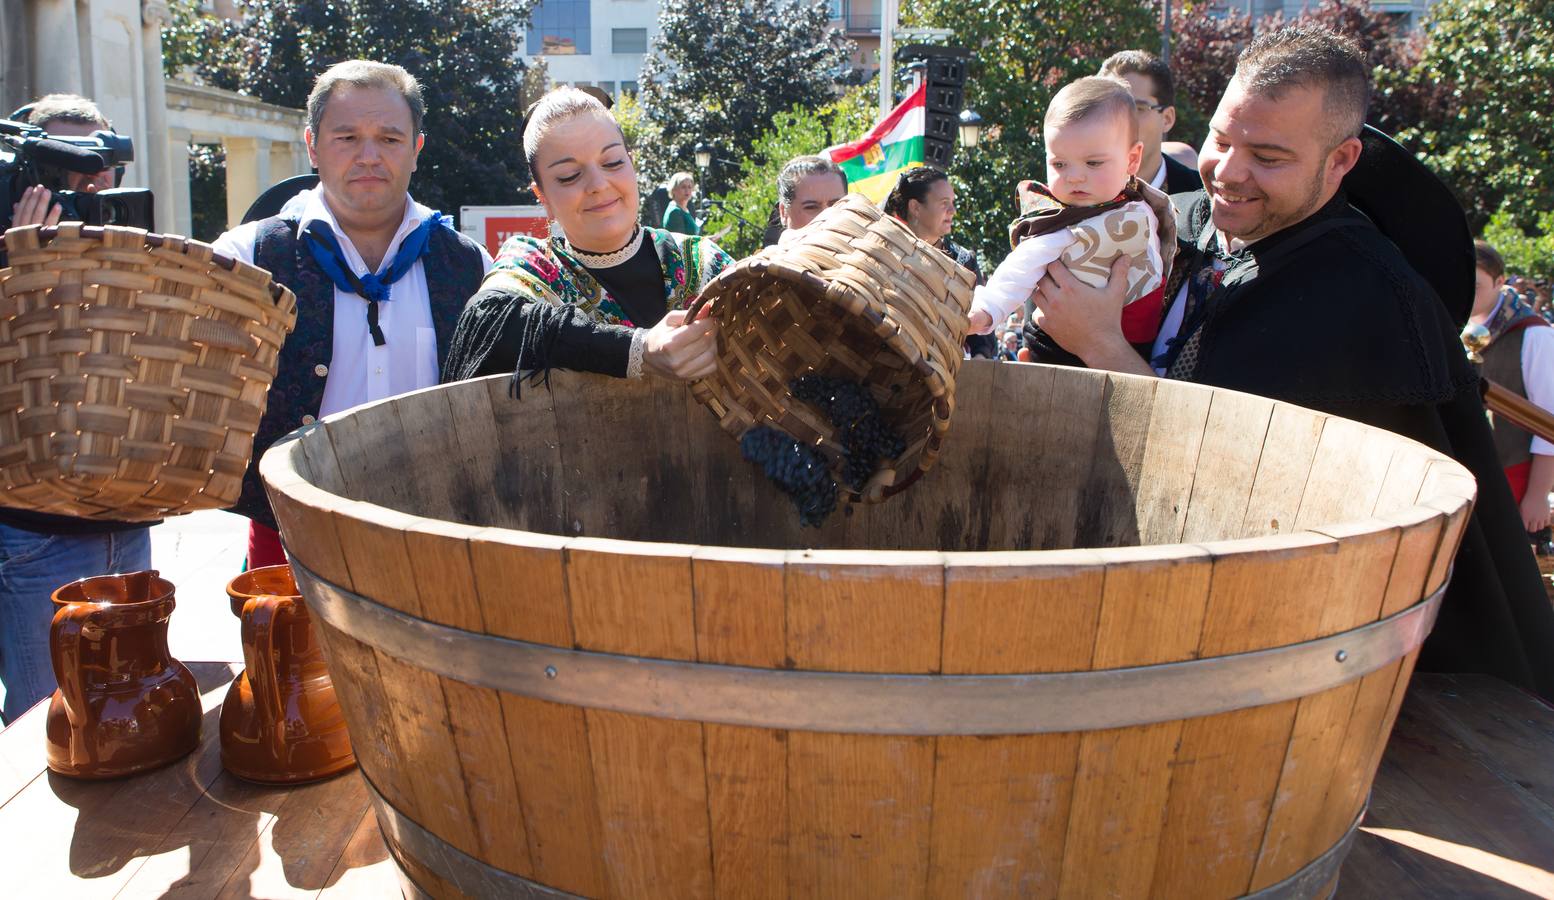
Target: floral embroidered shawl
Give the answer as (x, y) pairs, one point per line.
(545, 269)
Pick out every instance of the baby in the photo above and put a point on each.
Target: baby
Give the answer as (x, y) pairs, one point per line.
(1091, 210)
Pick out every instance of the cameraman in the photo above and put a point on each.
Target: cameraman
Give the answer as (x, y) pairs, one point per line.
(40, 552)
(61, 115)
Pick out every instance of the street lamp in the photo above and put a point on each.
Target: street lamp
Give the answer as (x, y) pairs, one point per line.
(970, 128)
(703, 156)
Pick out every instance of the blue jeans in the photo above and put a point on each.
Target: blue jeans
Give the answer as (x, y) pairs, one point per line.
(32, 566)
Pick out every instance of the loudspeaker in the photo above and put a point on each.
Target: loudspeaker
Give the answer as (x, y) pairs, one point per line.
(941, 126)
(943, 98)
(937, 153)
(946, 70)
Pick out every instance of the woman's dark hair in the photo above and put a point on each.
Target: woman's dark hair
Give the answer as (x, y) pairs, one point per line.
(913, 184)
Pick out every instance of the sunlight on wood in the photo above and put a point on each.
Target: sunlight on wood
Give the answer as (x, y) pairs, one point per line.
(1535, 881)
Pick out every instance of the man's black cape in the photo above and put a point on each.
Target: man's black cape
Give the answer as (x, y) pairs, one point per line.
(1329, 314)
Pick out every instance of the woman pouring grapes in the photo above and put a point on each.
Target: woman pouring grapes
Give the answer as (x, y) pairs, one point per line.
(610, 295)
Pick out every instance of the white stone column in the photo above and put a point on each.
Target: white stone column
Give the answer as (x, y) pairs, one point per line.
(242, 176)
(182, 221)
(15, 56)
(264, 149)
(56, 48)
(283, 161)
(158, 160)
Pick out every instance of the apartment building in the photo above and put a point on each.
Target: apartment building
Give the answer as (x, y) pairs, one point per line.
(595, 43)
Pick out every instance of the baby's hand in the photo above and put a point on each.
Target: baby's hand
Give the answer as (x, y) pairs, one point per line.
(981, 321)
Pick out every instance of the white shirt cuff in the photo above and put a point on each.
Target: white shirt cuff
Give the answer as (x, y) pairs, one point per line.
(634, 358)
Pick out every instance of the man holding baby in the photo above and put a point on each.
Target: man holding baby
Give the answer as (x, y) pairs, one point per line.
(1280, 287)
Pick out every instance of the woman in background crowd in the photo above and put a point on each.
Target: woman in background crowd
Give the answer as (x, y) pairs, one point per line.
(924, 200)
(677, 217)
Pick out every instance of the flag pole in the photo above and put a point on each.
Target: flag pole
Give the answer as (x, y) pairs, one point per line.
(889, 13)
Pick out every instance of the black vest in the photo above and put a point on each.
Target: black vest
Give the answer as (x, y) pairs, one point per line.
(454, 269)
(1503, 366)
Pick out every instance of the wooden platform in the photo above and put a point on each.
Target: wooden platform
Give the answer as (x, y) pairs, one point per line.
(1463, 807)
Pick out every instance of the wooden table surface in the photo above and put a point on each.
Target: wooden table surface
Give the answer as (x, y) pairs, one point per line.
(1463, 807)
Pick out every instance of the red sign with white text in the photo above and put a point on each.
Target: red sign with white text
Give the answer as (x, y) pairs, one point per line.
(492, 225)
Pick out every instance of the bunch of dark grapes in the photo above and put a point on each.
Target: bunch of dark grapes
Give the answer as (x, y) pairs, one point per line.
(799, 470)
(862, 432)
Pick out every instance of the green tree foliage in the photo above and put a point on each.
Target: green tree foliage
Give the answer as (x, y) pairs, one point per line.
(1527, 250)
(207, 46)
(1025, 51)
(207, 191)
(464, 53)
(721, 70)
(1491, 140)
(795, 132)
(641, 134)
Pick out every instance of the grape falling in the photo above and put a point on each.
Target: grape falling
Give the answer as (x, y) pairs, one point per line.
(801, 471)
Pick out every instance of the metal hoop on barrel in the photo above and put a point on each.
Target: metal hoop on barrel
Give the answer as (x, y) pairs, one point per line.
(868, 703)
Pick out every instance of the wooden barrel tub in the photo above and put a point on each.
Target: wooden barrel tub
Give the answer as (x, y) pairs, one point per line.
(1130, 637)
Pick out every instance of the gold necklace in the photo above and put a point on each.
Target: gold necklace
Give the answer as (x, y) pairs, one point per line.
(613, 259)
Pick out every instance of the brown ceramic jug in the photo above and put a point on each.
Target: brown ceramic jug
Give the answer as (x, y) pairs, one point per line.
(124, 705)
(280, 723)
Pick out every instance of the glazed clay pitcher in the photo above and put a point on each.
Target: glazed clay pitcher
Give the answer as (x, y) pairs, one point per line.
(124, 705)
(280, 723)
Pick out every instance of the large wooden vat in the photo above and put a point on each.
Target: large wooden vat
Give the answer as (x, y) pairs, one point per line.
(1130, 637)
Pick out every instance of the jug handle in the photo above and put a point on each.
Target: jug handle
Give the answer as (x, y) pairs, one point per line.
(68, 624)
(259, 655)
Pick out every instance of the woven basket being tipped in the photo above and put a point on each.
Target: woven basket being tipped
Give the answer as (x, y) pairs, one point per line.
(133, 371)
(854, 295)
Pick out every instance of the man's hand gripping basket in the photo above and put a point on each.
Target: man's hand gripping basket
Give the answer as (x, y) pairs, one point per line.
(857, 296)
(133, 371)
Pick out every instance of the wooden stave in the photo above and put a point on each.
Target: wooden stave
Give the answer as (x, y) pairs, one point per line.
(860, 753)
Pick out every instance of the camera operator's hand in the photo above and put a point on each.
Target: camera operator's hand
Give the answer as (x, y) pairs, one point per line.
(36, 207)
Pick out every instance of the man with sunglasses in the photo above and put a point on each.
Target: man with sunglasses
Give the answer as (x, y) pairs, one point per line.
(1154, 95)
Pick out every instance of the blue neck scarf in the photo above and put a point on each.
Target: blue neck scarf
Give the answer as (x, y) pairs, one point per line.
(374, 289)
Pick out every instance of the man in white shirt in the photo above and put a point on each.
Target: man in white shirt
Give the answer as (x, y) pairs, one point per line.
(380, 279)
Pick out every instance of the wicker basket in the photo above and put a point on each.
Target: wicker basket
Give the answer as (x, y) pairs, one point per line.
(856, 295)
(133, 371)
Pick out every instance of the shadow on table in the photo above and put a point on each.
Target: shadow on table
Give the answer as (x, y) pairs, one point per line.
(275, 838)
(126, 819)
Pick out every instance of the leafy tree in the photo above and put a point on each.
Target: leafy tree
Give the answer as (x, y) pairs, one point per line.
(641, 135)
(794, 132)
(1527, 251)
(720, 71)
(1204, 48)
(464, 53)
(209, 46)
(1025, 52)
(207, 191)
(1494, 60)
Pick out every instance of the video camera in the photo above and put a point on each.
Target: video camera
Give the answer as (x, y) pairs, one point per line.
(29, 156)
